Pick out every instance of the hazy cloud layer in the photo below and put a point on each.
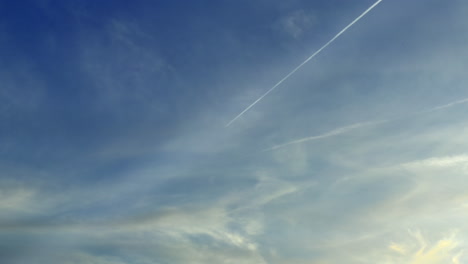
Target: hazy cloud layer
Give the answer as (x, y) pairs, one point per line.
(114, 147)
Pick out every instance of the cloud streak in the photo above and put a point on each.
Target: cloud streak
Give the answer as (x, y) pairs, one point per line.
(450, 104)
(331, 133)
(303, 63)
(345, 129)
(445, 250)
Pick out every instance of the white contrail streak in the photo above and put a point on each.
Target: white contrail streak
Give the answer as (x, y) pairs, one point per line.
(463, 101)
(345, 129)
(335, 132)
(307, 60)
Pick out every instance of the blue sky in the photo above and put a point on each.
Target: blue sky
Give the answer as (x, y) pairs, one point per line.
(114, 147)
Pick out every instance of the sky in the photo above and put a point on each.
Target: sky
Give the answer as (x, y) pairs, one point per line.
(118, 143)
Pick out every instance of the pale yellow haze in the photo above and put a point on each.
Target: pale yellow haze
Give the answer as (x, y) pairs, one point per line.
(444, 252)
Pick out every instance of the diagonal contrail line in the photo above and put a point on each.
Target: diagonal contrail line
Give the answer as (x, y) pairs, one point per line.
(334, 132)
(345, 129)
(307, 60)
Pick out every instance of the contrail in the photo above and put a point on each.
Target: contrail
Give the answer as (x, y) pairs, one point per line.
(307, 60)
(335, 132)
(450, 104)
(345, 129)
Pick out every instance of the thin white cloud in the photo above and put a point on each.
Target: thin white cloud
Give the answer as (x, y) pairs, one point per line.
(439, 162)
(446, 250)
(295, 23)
(17, 200)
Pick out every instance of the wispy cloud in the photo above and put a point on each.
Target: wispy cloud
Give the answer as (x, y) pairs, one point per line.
(439, 162)
(18, 199)
(295, 23)
(446, 250)
(351, 161)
